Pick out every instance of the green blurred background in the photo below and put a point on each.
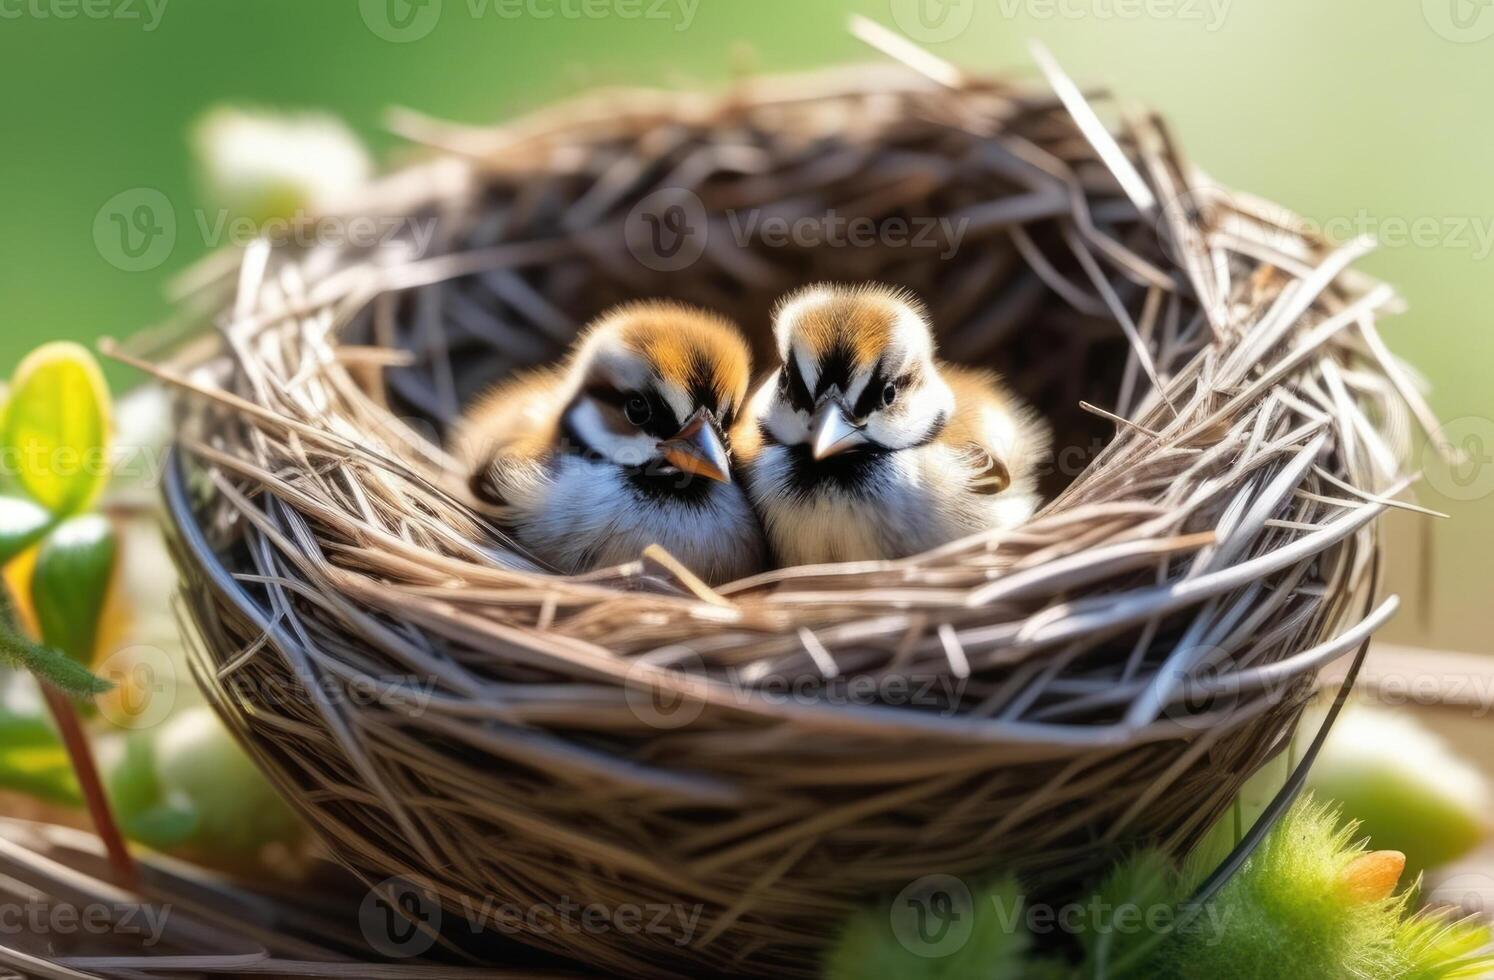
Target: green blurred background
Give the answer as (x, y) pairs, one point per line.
(1370, 114)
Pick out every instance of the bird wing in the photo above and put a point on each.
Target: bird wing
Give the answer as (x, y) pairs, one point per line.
(988, 474)
(999, 437)
(509, 434)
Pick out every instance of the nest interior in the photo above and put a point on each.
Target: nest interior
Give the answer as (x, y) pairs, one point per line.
(771, 754)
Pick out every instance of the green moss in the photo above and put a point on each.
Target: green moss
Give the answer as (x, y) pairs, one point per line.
(1284, 914)
(1292, 911)
(1288, 914)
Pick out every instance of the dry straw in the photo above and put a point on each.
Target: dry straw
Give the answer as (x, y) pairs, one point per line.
(772, 753)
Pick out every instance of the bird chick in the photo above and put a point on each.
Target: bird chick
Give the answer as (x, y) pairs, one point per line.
(622, 446)
(870, 447)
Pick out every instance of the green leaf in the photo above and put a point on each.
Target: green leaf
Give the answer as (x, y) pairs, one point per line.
(71, 584)
(22, 524)
(137, 797)
(163, 827)
(50, 666)
(55, 432)
(33, 761)
(131, 780)
(203, 768)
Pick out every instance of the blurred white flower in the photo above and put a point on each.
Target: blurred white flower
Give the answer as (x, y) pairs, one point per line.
(143, 431)
(265, 165)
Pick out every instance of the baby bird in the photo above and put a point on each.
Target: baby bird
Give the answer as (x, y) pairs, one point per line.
(871, 448)
(624, 445)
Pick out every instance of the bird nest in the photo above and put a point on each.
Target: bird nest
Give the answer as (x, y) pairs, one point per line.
(770, 753)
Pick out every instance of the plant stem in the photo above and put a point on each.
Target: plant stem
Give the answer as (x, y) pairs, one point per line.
(78, 751)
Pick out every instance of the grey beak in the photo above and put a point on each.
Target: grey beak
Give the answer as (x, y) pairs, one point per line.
(697, 448)
(831, 432)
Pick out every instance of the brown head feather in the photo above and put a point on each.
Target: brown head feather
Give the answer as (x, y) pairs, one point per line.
(859, 320)
(693, 349)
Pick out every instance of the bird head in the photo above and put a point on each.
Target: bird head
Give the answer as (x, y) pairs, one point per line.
(656, 387)
(858, 373)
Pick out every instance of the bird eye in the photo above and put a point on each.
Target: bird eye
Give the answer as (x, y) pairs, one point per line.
(637, 410)
(889, 394)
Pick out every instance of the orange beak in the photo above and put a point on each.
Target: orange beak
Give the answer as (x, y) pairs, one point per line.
(697, 448)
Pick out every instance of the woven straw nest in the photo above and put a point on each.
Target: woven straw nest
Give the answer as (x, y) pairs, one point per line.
(774, 752)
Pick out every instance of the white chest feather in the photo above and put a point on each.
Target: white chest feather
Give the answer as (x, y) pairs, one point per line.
(583, 514)
(917, 501)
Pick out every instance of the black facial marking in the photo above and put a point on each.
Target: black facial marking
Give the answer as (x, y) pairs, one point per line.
(655, 480)
(661, 422)
(835, 370)
(606, 394)
(793, 384)
(676, 488)
(871, 396)
(856, 474)
(701, 388)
